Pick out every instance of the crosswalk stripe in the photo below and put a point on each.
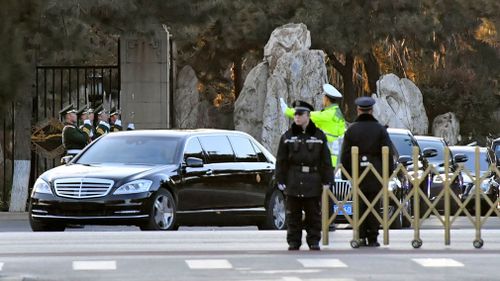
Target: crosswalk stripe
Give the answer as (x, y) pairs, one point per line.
(209, 264)
(94, 265)
(1, 266)
(322, 263)
(438, 262)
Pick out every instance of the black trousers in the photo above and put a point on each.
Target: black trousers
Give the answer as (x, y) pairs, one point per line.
(369, 227)
(312, 222)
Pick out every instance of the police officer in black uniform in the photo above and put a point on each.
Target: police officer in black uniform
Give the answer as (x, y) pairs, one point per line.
(303, 167)
(370, 136)
(73, 139)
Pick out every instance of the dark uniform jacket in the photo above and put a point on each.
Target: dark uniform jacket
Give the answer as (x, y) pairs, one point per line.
(73, 138)
(303, 162)
(370, 136)
(88, 129)
(101, 130)
(116, 128)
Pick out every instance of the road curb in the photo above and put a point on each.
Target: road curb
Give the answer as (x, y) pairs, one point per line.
(13, 216)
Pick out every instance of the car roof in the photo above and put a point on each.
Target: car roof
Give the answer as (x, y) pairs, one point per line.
(399, 131)
(429, 138)
(181, 133)
(467, 148)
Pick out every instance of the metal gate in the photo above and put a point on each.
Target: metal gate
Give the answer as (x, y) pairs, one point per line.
(484, 205)
(56, 87)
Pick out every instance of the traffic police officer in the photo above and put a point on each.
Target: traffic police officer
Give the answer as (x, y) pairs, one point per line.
(87, 116)
(103, 126)
(303, 166)
(369, 136)
(114, 118)
(73, 139)
(330, 120)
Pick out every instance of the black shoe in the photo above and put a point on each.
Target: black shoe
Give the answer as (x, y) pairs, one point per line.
(374, 244)
(314, 248)
(293, 247)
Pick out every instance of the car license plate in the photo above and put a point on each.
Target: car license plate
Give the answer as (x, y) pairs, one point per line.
(347, 208)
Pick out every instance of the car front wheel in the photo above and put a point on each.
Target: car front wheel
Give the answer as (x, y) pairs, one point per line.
(275, 212)
(162, 214)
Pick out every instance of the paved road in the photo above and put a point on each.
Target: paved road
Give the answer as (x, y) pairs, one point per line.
(122, 253)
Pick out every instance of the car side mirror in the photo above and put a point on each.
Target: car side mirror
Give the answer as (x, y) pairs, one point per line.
(461, 158)
(194, 162)
(405, 160)
(430, 152)
(66, 159)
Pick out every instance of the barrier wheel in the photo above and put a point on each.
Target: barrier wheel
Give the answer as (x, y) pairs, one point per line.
(416, 243)
(354, 244)
(478, 243)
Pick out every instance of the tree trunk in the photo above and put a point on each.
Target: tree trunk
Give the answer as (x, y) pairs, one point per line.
(22, 151)
(372, 70)
(237, 71)
(349, 93)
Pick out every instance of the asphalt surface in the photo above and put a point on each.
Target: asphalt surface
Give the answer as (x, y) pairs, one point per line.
(123, 253)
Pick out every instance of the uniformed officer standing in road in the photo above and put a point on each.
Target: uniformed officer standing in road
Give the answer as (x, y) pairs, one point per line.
(73, 139)
(303, 167)
(103, 126)
(87, 117)
(330, 120)
(114, 120)
(370, 136)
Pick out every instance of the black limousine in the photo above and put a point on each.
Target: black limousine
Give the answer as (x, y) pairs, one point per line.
(161, 179)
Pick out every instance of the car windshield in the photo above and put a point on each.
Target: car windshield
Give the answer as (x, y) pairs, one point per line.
(470, 164)
(403, 143)
(130, 150)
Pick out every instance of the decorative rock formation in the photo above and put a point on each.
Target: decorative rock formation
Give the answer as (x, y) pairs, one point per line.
(186, 99)
(400, 105)
(447, 127)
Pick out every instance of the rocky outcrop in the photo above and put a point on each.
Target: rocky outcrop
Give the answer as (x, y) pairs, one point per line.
(288, 38)
(400, 104)
(447, 126)
(186, 99)
(290, 71)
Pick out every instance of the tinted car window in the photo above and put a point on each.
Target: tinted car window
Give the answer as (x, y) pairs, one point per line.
(132, 150)
(497, 151)
(243, 149)
(471, 163)
(193, 149)
(403, 143)
(217, 148)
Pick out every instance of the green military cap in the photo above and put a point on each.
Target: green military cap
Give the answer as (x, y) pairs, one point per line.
(100, 110)
(82, 111)
(114, 111)
(68, 109)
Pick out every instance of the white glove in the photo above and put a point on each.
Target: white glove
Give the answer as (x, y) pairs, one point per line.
(87, 122)
(283, 105)
(131, 126)
(118, 122)
(281, 186)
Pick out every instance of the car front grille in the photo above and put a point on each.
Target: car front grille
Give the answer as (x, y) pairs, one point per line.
(82, 187)
(341, 189)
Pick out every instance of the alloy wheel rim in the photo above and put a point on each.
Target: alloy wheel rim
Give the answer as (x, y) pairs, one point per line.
(164, 212)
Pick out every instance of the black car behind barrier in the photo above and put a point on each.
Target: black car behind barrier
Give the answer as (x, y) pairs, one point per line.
(159, 180)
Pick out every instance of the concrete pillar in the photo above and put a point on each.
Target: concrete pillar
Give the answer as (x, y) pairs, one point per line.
(145, 92)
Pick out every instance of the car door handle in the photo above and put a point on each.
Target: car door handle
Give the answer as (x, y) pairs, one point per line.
(209, 172)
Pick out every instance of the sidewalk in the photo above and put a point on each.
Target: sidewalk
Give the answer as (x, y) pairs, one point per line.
(13, 216)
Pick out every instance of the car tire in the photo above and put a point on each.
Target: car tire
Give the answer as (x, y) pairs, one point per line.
(163, 212)
(38, 226)
(275, 212)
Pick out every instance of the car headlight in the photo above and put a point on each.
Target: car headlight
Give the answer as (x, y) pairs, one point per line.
(137, 186)
(41, 186)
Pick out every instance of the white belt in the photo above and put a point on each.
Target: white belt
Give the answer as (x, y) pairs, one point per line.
(73, 151)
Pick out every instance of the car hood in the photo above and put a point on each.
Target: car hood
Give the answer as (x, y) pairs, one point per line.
(115, 172)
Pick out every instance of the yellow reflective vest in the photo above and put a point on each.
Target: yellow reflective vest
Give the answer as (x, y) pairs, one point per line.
(331, 121)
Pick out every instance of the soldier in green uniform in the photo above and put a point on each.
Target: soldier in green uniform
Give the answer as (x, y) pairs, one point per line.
(114, 119)
(73, 139)
(103, 126)
(330, 120)
(87, 117)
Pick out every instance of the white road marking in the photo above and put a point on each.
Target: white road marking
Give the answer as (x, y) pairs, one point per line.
(438, 262)
(322, 263)
(1, 266)
(296, 271)
(291, 279)
(209, 264)
(94, 265)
